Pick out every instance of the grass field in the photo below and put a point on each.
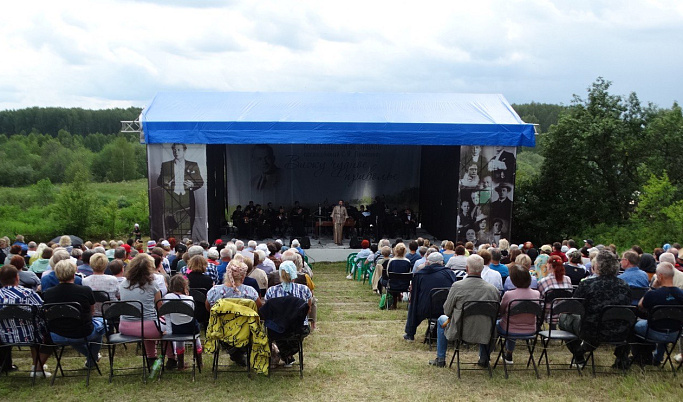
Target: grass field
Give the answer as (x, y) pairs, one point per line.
(357, 353)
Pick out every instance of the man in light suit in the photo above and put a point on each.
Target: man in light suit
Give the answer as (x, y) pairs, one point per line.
(180, 178)
(477, 328)
(339, 216)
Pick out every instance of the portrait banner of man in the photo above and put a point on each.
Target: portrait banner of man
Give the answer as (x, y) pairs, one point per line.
(178, 193)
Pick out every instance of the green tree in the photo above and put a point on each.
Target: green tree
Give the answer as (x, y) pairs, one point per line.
(590, 172)
(116, 162)
(75, 203)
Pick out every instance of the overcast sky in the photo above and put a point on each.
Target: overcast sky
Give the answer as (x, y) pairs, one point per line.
(108, 53)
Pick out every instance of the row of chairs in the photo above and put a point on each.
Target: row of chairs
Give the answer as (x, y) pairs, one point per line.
(69, 315)
(621, 317)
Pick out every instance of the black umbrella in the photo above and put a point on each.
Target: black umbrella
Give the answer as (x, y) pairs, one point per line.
(74, 239)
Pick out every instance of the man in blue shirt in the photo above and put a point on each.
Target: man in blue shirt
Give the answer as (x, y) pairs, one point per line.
(632, 274)
(496, 265)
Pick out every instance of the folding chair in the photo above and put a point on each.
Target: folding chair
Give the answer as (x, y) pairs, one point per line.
(614, 328)
(516, 308)
(200, 312)
(68, 315)
(294, 332)
(671, 315)
(488, 309)
(215, 344)
(560, 305)
(550, 296)
(398, 282)
(27, 313)
(112, 312)
(166, 307)
(437, 297)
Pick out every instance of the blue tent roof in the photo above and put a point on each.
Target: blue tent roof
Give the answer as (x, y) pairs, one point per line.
(334, 118)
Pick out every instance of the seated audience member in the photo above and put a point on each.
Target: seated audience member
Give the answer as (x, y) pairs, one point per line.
(478, 329)
(540, 263)
(99, 281)
(573, 270)
(398, 264)
(140, 285)
(555, 279)
(378, 277)
(27, 279)
(413, 254)
(115, 269)
(648, 265)
(12, 331)
(233, 286)
(14, 250)
(249, 281)
(678, 275)
(522, 324)
(361, 257)
(496, 265)
(42, 264)
(226, 255)
(196, 273)
(49, 279)
(422, 251)
(160, 276)
(254, 272)
(632, 273)
(434, 275)
(274, 255)
(297, 246)
(603, 290)
(448, 251)
(666, 294)
(557, 250)
(489, 275)
(85, 269)
(264, 262)
(459, 261)
(303, 278)
(91, 329)
(525, 262)
(182, 324)
(286, 287)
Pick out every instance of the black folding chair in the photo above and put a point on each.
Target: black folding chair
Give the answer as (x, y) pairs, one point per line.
(550, 296)
(516, 308)
(437, 297)
(559, 306)
(200, 312)
(67, 315)
(488, 309)
(112, 312)
(669, 315)
(295, 332)
(615, 328)
(398, 282)
(181, 307)
(29, 315)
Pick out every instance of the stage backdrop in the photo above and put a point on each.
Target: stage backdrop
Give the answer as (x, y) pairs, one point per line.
(177, 207)
(313, 174)
(487, 183)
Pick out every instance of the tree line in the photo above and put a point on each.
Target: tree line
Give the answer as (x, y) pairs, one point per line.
(605, 166)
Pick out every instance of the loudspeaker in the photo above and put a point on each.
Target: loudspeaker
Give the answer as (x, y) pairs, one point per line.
(305, 242)
(354, 242)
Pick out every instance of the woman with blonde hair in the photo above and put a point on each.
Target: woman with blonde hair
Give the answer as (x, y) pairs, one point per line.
(399, 264)
(233, 286)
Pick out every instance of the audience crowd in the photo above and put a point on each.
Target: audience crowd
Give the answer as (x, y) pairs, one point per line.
(597, 275)
(168, 269)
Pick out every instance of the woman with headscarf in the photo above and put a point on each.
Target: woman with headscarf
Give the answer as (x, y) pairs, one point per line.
(233, 286)
(288, 273)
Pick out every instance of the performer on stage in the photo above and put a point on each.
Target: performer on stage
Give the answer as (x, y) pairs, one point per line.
(339, 216)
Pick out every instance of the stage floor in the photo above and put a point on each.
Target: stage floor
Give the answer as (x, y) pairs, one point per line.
(324, 249)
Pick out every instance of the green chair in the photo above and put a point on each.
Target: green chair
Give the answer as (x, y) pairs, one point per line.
(367, 270)
(350, 260)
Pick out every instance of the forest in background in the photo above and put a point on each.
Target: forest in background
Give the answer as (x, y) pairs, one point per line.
(605, 166)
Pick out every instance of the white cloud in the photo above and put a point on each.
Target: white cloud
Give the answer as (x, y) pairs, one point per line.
(121, 52)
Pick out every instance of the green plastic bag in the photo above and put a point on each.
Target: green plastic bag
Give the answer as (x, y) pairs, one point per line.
(385, 301)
